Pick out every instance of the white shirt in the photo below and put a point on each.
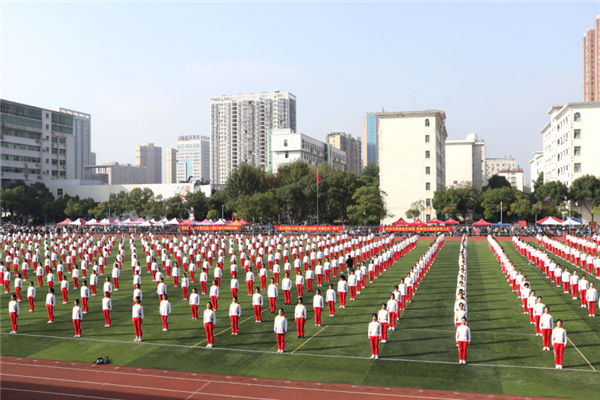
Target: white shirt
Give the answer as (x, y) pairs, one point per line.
(77, 313)
(318, 301)
(194, 299)
(559, 336)
(106, 303)
(50, 299)
(272, 290)
(330, 296)
(137, 311)
(165, 307)
(463, 334)
(280, 324)
(257, 299)
(235, 309)
(209, 317)
(300, 311)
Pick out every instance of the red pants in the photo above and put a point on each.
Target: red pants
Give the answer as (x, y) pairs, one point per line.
(137, 325)
(257, 313)
(13, 319)
(583, 293)
(50, 310)
(194, 311)
(30, 303)
(280, 341)
(318, 311)
(165, 321)
(235, 323)
(299, 288)
(24, 271)
(559, 349)
(249, 284)
(409, 293)
(287, 297)
(276, 277)
(327, 272)
(75, 283)
(309, 284)
(65, 295)
(574, 289)
(40, 282)
(591, 307)
(203, 286)
(214, 301)
(403, 302)
(537, 324)
(374, 345)
(263, 282)
(342, 298)
(546, 333)
(77, 324)
(392, 319)
(531, 318)
(18, 291)
(84, 301)
(185, 293)
(462, 350)
(320, 279)
(192, 278)
(352, 292)
(566, 287)
(176, 281)
(168, 271)
(116, 281)
(107, 317)
(272, 303)
(300, 326)
(331, 305)
(384, 329)
(210, 336)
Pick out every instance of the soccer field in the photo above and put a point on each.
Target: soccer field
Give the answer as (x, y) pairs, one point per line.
(505, 356)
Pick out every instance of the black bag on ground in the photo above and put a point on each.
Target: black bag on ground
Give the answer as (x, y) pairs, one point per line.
(102, 361)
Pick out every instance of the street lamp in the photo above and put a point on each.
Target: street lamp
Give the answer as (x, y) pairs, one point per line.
(500, 212)
(222, 211)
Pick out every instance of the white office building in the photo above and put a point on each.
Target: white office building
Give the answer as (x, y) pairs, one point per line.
(516, 178)
(465, 161)
(412, 159)
(288, 146)
(536, 167)
(82, 135)
(239, 129)
(495, 165)
(193, 158)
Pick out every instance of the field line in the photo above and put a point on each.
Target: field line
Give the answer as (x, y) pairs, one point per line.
(226, 330)
(484, 332)
(60, 394)
(309, 339)
(581, 354)
(198, 390)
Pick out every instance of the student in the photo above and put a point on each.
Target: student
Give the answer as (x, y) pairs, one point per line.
(75, 276)
(538, 310)
(392, 307)
(342, 288)
(272, 293)
(249, 280)
(185, 283)
(235, 285)
(175, 275)
(546, 325)
(116, 273)
(591, 297)
(194, 303)
(203, 280)
(106, 309)
(214, 295)
(559, 341)
(50, 303)
(262, 273)
(330, 297)
(584, 285)
(374, 333)
(463, 338)
(209, 324)
(161, 289)
(77, 317)
(165, 311)
(18, 286)
(318, 306)
(107, 286)
(13, 310)
(280, 327)
(352, 282)
(257, 303)
(235, 312)
(93, 283)
(64, 288)
(383, 317)
(310, 276)
(299, 284)
(31, 295)
(300, 316)
(459, 314)
(85, 295)
(137, 314)
(286, 286)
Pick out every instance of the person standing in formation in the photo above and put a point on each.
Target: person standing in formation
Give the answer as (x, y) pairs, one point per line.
(249, 280)
(194, 303)
(330, 297)
(137, 314)
(286, 286)
(77, 317)
(257, 303)
(280, 327)
(165, 311)
(342, 290)
(272, 293)
(210, 321)
(459, 314)
(299, 284)
(106, 309)
(235, 285)
(463, 338)
(18, 286)
(64, 288)
(50, 303)
(392, 307)
(31, 295)
(374, 334)
(107, 286)
(383, 317)
(300, 315)
(546, 325)
(85, 295)
(214, 295)
(318, 306)
(185, 283)
(559, 341)
(13, 310)
(592, 298)
(235, 312)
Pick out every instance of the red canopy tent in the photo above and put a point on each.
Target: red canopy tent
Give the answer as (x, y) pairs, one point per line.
(187, 222)
(400, 221)
(481, 222)
(418, 222)
(243, 222)
(435, 221)
(65, 222)
(451, 221)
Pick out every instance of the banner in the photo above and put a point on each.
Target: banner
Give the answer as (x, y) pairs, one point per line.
(313, 228)
(209, 228)
(415, 229)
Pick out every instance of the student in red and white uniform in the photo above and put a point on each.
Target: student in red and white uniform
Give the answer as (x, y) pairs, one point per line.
(85, 295)
(276, 271)
(64, 288)
(39, 272)
(574, 284)
(459, 314)
(463, 338)
(262, 273)
(210, 321)
(93, 283)
(214, 295)
(559, 341)
(319, 271)
(175, 274)
(75, 276)
(31, 295)
(300, 284)
(165, 311)
(249, 280)
(374, 334)
(185, 283)
(235, 312)
(286, 286)
(342, 288)
(106, 309)
(50, 303)
(538, 310)
(18, 286)
(352, 283)
(318, 306)
(194, 303)
(584, 285)
(77, 317)
(272, 293)
(546, 325)
(257, 303)
(591, 297)
(392, 308)
(116, 273)
(49, 279)
(280, 327)
(330, 297)
(137, 315)
(13, 310)
(300, 316)
(203, 281)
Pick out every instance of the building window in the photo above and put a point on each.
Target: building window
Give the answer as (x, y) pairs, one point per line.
(287, 154)
(577, 167)
(427, 170)
(427, 186)
(285, 143)
(577, 134)
(577, 151)
(428, 202)
(427, 122)
(577, 117)
(427, 217)
(426, 138)
(59, 192)
(427, 154)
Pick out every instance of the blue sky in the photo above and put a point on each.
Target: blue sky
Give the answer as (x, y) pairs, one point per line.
(146, 71)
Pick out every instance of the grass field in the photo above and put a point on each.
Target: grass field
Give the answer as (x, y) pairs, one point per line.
(505, 356)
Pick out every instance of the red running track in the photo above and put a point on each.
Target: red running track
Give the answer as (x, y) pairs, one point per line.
(24, 378)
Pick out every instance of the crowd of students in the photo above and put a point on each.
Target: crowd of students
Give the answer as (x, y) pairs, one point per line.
(463, 332)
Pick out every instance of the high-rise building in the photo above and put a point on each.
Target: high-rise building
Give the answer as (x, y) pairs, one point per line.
(239, 129)
(288, 146)
(92, 158)
(412, 164)
(122, 174)
(495, 165)
(37, 144)
(591, 63)
(193, 158)
(536, 167)
(465, 161)
(82, 134)
(370, 145)
(171, 165)
(352, 147)
(150, 157)
(571, 142)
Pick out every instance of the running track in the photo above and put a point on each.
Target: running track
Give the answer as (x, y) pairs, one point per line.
(24, 378)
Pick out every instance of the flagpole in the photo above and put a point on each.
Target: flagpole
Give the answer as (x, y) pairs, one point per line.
(317, 199)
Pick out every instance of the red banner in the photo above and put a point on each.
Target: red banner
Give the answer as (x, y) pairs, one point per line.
(310, 228)
(415, 228)
(210, 228)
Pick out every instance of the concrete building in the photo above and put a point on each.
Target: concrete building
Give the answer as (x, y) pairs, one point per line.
(536, 167)
(591, 63)
(465, 161)
(193, 158)
(82, 135)
(171, 165)
(352, 147)
(516, 177)
(571, 142)
(92, 158)
(412, 159)
(288, 146)
(149, 157)
(370, 144)
(36, 144)
(114, 173)
(239, 129)
(495, 165)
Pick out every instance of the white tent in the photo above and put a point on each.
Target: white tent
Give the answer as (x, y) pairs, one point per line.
(78, 221)
(572, 221)
(172, 222)
(145, 224)
(92, 221)
(552, 221)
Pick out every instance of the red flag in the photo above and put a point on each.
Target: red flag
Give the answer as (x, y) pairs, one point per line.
(318, 177)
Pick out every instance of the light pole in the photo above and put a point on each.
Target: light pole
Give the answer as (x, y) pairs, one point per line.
(500, 212)
(222, 211)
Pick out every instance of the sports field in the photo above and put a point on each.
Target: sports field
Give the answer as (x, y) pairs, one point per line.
(505, 356)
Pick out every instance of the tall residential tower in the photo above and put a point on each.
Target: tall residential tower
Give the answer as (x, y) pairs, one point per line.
(150, 157)
(591, 62)
(353, 148)
(193, 158)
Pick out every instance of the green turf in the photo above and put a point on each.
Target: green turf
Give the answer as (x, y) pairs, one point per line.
(503, 341)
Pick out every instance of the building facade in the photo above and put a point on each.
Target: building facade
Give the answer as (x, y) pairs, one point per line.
(36, 144)
(495, 165)
(149, 157)
(412, 159)
(370, 146)
(193, 158)
(571, 142)
(82, 135)
(239, 129)
(465, 161)
(516, 177)
(536, 167)
(351, 146)
(171, 165)
(288, 146)
(591, 63)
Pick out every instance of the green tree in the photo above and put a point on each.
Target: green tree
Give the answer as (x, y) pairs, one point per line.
(539, 182)
(292, 172)
(216, 202)
(369, 206)
(497, 181)
(555, 192)
(213, 214)
(586, 191)
(155, 208)
(119, 204)
(175, 208)
(138, 199)
(416, 209)
(492, 199)
(521, 207)
(456, 200)
(341, 187)
(258, 207)
(100, 211)
(197, 203)
(13, 202)
(369, 176)
(244, 181)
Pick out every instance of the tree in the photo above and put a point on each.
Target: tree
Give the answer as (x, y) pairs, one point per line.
(175, 208)
(244, 181)
(292, 172)
(258, 207)
(13, 202)
(369, 207)
(492, 198)
(155, 208)
(586, 191)
(100, 211)
(216, 202)
(197, 203)
(369, 176)
(119, 204)
(138, 199)
(456, 200)
(521, 208)
(416, 209)
(341, 188)
(555, 192)
(213, 214)
(497, 181)
(539, 182)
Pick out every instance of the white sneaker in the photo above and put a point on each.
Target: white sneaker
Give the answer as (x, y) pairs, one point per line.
(208, 346)
(384, 341)
(377, 357)
(372, 355)
(50, 322)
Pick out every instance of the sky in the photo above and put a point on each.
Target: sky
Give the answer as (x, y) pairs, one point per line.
(145, 71)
